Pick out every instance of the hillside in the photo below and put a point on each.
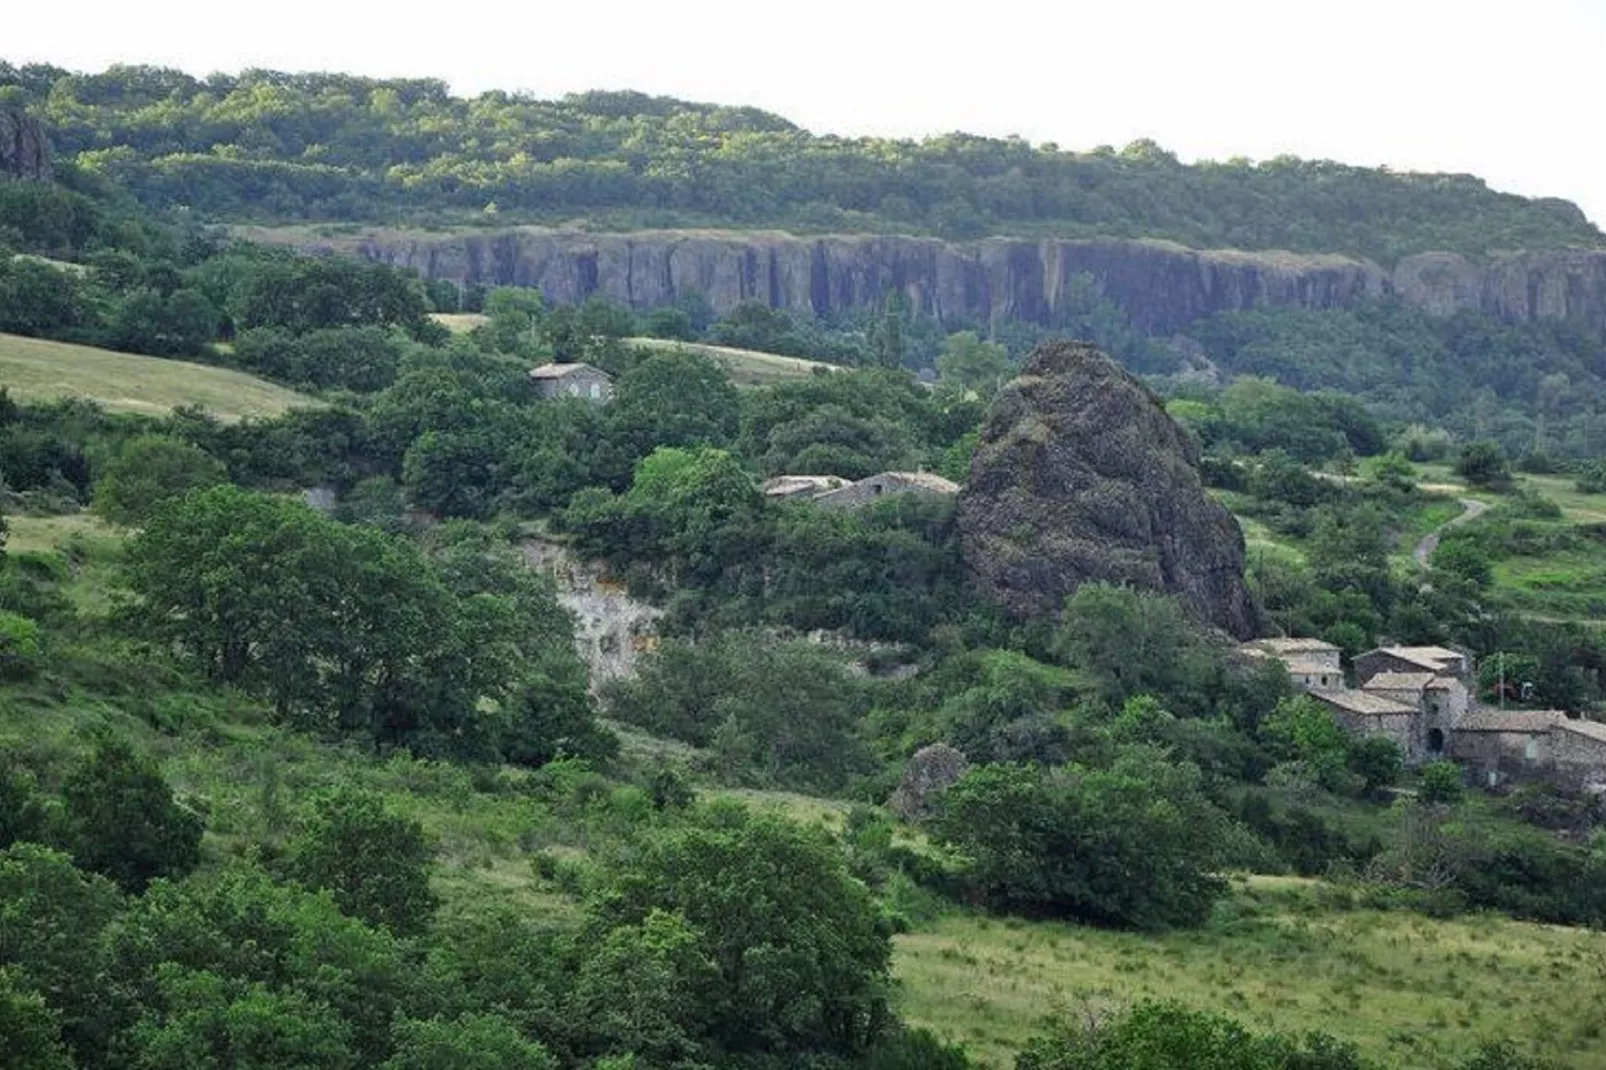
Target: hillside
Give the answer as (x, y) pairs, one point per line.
(37, 370)
(267, 145)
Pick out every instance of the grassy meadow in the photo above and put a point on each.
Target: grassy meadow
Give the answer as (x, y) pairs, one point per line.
(1282, 953)
(747, 367)
(36, 370)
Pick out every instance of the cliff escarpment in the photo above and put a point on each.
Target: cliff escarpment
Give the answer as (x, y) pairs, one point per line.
(1163, 287)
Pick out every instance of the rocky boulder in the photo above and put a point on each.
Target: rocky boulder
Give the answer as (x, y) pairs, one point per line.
(24, 149)
(931, 771)
(1081, 477)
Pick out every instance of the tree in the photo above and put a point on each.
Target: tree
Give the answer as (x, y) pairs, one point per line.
(1442, 782)
(150, 470)
(374, 862)
(22, 811)
(123, 820)
(1135, 845)
(972, 364)
(800, 955)
(467, 1042)
(1132, 642)
(53, 920)
(674, 399)
(1484, 464)
(31, 1029)
(203, 1021)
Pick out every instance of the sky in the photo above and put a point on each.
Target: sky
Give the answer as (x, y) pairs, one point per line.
(1514, 92)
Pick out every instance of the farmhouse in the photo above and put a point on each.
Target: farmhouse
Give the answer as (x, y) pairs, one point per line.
(875, 487)
(1419, 698)
(573, 381)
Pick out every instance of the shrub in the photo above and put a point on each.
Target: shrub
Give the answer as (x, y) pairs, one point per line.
(19, 647)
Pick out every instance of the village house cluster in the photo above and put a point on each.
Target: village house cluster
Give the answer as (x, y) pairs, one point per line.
(1424, 698)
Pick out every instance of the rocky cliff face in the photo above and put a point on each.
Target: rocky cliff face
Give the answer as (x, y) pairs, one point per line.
(1163, 287)
(24, 149)
(1081, 477)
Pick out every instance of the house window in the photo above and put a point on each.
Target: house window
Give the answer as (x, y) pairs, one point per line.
(1436, 740)
(1530, 749)
(596, 391)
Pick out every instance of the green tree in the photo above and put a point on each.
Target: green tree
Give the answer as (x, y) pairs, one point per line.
(1484, 464)
(1441, 782)
(203, 1021)
(1130, 641)
(468, 1042)
(1135, 845)
(23, 817)
(674, 399)
(800, 955)
(123, 820)
(646, 991)
(31, 1029)
(972, 364)
(375, 863)
(150, 470)
(53, 920)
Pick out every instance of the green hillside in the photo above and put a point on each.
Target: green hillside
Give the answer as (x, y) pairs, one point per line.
(267, 145)
(37, 370)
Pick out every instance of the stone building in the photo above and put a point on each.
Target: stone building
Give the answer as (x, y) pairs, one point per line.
(1438, 660)
(788, 487)
(573, 381)
(1420, 698)
(884, 485)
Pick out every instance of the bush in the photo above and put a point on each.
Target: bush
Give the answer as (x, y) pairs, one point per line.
(1442, 782)
(124, 821)
(150, 470)
(374, 862)
(19, 647)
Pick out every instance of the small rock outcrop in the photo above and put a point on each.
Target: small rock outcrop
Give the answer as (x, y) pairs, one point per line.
(24, 149)
(931, 771)
(1080, 477)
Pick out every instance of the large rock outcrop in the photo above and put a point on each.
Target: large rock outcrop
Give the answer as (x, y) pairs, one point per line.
(1163, 287)
(1081, 477)
(24, 149)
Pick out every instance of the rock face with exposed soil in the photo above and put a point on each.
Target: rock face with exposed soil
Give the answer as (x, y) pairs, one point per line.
(24, 149)
(1081, 477)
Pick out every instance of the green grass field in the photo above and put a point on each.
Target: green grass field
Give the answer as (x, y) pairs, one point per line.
(747, 367)
(37, 370)
(1416, 991)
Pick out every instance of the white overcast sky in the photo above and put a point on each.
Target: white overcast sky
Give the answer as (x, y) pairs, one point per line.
(1513, 91)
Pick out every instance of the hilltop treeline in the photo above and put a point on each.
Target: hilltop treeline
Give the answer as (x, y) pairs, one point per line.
(277, 146)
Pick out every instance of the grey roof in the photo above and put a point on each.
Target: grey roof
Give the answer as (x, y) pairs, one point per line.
(1293, 645)
(1362, 702)
(1429, 657)
(563, 371)
(1399, 681)
(1530, 722)
(1593, 729)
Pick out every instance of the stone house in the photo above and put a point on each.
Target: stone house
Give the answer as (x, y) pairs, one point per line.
(865, 491)
(1441, 703)
(1438, 660)
(573, 381)
(1312, 664)
(1363, 713)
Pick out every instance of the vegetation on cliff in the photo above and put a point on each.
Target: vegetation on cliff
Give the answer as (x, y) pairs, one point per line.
(270, 145)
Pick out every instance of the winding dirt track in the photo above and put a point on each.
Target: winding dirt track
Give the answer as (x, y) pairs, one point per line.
(1471, 509)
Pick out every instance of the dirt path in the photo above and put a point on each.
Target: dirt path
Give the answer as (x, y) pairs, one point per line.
(1471, 510)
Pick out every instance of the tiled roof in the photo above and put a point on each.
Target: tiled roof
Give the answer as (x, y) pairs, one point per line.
(1307, 668)
(1399, 681)
(1429, 657)
(560, 371)
(1593, 729)
(1294, 645)
(1522, 721)
(1362, 702)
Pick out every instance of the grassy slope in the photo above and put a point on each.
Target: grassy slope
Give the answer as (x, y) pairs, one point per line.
(1404, 987)
(1277, 955)
(747, 367)
(33, 369)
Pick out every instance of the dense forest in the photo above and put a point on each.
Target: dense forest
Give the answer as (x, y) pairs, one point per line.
(265, 145)
(328, 787)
